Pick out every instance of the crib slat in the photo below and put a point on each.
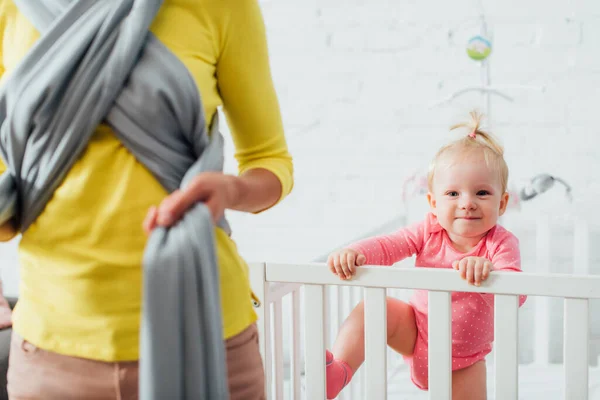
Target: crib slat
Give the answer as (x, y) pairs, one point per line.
(278, 353)
(359, 379)
(440, 346)
(376, 343)
(581, 248)
(542, 304)
(347, 305)
(576, 354)
(336, 310)
(268, 350)
(295, 364)
(327, 315)
(506, 338)
(314, 339)
(339, 290)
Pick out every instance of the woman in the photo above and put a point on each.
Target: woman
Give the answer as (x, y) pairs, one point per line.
(80, 292)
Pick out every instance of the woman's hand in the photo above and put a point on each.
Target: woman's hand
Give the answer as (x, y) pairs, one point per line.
(215, 189)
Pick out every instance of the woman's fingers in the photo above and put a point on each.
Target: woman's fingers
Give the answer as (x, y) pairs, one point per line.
(171, 208)
(150, 221)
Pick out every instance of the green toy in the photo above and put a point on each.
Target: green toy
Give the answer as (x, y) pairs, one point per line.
(479, 48)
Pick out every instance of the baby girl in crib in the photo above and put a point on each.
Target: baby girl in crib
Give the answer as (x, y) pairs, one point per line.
(467, 194)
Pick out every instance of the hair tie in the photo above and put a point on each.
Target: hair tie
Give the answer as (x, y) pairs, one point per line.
(473, 134)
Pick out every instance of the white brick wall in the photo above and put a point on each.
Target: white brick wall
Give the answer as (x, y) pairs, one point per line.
(355, 80)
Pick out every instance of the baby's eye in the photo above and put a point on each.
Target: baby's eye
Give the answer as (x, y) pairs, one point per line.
(483, 193)
(452, 193)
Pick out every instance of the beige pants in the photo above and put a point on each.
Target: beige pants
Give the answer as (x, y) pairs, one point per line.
(34, 373)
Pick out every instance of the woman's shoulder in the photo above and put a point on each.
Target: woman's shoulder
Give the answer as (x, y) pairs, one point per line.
(212, 6)
(220, 16)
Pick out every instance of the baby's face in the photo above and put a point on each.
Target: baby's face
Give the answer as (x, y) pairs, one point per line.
(467, 196)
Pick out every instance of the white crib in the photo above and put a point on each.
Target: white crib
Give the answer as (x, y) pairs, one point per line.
(274, 281)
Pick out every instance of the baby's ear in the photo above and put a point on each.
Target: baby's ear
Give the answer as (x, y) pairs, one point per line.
(432, 202)
(503, 203)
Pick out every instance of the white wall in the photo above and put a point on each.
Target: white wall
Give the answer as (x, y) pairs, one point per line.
(355, 79)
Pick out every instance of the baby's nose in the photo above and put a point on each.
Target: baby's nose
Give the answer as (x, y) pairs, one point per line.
(468, 203)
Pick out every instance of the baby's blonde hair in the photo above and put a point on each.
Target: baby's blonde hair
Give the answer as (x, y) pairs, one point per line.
(475, 140)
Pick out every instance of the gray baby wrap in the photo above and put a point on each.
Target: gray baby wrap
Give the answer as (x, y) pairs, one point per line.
(96, 61)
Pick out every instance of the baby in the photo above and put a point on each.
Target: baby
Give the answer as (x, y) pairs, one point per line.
(467, 194)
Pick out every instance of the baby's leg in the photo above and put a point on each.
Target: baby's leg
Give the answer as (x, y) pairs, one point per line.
(401, 332)
(470, 383)
(349, 347)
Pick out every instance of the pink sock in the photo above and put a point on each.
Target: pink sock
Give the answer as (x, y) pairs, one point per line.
(338, 373)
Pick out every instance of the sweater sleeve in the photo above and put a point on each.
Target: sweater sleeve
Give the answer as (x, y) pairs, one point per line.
(249, 100)
(2, 28)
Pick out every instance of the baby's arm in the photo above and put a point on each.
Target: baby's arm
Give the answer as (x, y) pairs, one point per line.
(506, 257)
(389, 249)
(378, 250)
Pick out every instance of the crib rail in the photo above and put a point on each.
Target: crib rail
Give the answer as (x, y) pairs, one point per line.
(532, 284)
(576, 290)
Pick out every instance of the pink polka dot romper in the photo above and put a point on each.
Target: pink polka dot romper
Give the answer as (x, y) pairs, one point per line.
(472, 313)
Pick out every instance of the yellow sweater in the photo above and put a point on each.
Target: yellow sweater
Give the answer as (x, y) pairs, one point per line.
(80, 290)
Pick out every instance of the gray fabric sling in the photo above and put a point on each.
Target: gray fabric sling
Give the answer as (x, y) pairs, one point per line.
(97, 62)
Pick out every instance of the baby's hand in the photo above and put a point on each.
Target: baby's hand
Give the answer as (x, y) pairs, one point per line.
(343, 263)
(474, 269)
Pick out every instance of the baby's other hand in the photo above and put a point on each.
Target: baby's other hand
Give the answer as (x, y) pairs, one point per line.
(473, 269)
(343, 263)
